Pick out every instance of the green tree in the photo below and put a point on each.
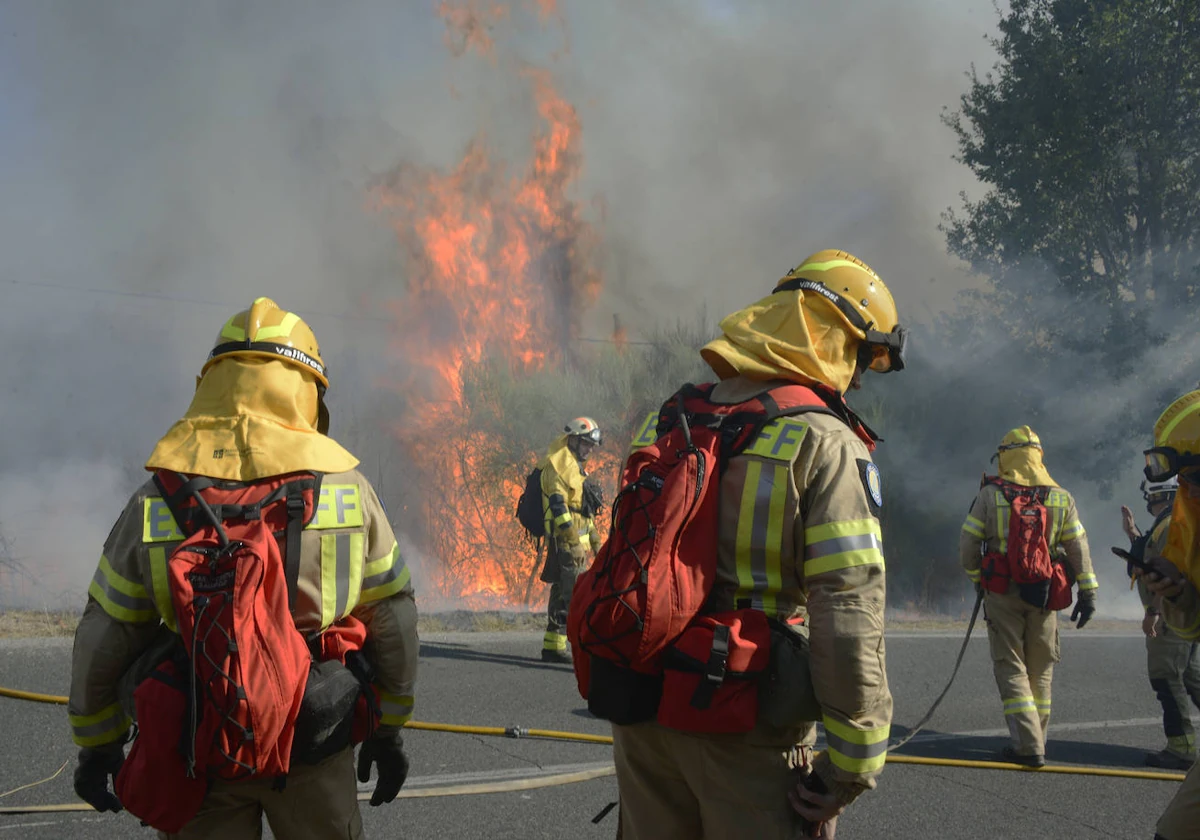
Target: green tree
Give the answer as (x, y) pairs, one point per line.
(1086, 134)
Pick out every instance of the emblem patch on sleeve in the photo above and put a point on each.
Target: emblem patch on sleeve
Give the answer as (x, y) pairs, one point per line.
(872, 483)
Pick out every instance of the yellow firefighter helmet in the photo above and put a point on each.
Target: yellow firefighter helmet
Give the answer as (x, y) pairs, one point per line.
(266, 331)
(1176, 439)
(861, 298)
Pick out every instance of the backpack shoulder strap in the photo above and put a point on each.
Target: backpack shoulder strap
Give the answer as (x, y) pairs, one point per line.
(188, 488)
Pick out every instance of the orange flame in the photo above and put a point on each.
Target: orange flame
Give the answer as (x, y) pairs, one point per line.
(500, 268)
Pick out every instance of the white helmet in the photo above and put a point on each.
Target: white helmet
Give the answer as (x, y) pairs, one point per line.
(585, 428)
(1160, 491)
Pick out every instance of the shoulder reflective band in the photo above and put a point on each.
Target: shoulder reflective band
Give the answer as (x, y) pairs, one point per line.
(123, 599)
(384, 577)
(842, 545)
(158, 525)
(340, 506)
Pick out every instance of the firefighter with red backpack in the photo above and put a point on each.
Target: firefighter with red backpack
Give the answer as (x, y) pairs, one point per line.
(251, 608)
(1023, 544)
(739, 597)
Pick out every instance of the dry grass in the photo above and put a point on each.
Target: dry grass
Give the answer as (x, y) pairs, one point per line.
(29, 624)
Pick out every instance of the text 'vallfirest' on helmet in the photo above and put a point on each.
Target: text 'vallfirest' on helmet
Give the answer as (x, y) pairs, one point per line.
(1176, 439)
(862, 299)
(585, 428)
(266, 331)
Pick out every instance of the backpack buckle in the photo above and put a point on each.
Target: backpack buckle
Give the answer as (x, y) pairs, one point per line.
(714, 669)
(295, 506)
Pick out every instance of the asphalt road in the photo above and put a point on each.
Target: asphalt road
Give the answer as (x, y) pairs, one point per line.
(1104, 714)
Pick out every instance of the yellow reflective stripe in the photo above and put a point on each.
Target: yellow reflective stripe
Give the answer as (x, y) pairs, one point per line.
(160, 583)
(123, 599)
(773, 549)
(1019, 705)
(836, 530)
(103, 727)
(842, 545)
(974, 527)
(856, 750)
(282, 330)
(339, 506)
(358, 556)
(158, 525)
(384, 577)
(832, 264)
(554, 641)
(328, 579)
(1043, 706)
(562, 520)
(1002, 514)
(1073, 531)
(585, 540)
(1190, 633)
(973, 574)
(1087, 581)
(745, 532)
(232, 331)
(397, 709)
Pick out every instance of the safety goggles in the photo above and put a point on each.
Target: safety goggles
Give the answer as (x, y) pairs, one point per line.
(887, 349)
(1163, 462)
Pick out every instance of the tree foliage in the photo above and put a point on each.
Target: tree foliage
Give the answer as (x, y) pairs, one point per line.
(1086, 135)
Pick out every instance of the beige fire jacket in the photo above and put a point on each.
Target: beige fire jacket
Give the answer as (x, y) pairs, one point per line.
(350, 564)
(799, 536)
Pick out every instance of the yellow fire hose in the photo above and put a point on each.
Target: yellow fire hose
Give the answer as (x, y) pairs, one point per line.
(520, 732)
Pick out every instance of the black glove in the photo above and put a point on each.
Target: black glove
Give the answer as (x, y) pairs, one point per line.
(96, 764)
(386, 751)
(1085, 607)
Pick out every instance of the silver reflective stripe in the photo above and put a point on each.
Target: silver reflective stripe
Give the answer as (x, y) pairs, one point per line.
(852, 750)
(837, 545)
(385, 577)
(129, 602)
(343, 575)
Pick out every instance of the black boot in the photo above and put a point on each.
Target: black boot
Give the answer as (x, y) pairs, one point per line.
(560, 657)
(1009, 754)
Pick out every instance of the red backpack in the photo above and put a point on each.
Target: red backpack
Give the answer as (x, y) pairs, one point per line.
(651, 579)
(227, 709)
(1027, 562)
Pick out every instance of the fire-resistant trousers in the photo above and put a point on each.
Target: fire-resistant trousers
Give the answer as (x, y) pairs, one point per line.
(319, 802)
(1024, 643)
(681, 786)
(1181, 820)
(1174, 668)
(560, 598)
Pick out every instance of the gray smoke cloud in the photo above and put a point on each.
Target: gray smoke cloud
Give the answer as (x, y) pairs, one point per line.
(164, 162)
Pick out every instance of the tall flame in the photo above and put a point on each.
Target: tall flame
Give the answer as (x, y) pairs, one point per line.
(499, 267)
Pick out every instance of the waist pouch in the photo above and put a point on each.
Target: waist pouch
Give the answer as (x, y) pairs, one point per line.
(154, 782)
(786, 697)
(1059, 597)
(617, 694)
(340, 708)
(711, 673)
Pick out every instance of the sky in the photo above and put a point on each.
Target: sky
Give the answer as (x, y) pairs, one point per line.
(162, 162)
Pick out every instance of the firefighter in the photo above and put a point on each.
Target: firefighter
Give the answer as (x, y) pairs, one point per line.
(258, 411)
(1022, 631)
(798, 538)
(570, 525)
(1176, 569)
(1173, 663)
